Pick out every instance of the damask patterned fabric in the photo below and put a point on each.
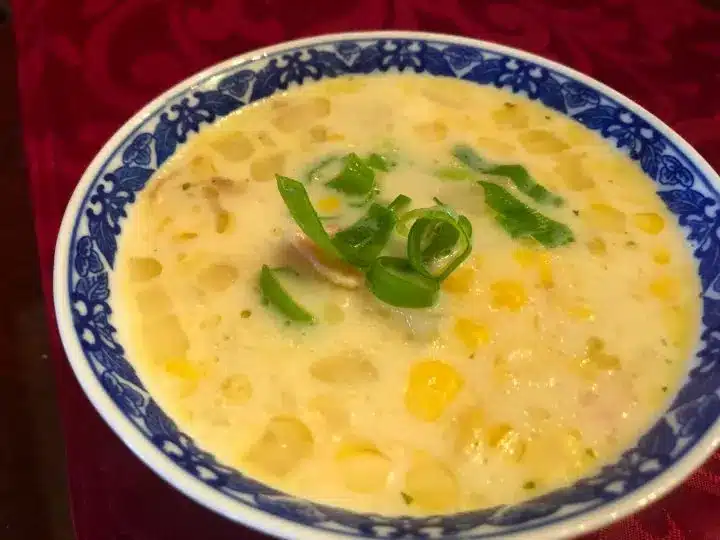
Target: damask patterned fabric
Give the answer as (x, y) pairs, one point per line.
(87, 65)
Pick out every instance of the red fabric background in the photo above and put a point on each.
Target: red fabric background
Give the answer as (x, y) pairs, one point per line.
(87, 65)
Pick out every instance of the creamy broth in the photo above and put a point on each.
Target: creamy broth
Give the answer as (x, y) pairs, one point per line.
(536, 367)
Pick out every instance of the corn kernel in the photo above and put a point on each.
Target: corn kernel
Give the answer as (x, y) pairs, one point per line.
(510, 115)
(606, 217)
(571, 170)
(363, 467)
(508, 441)
(649, 222)
(471, 333)
(328, 204)
(432, 486)
(581, 312)
(182, 368)
(460, 281)
(144, 268)
(665, 288)
(527, 258)
(508, 294)
(597, 247)
(432, 386)
(661, 256)
(538, 141)
(285, 442)
(469, 432)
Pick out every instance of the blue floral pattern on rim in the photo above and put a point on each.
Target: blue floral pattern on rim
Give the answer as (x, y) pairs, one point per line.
(688, 195)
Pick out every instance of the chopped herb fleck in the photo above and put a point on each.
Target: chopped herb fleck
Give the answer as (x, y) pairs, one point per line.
(407, 498)
(547, 117)
(631, 244)
(509, 105)
(529, 485)
(576, 212)
(663, 341)
(245, 313)
(589, 452)
(664, 389)
(186, 186)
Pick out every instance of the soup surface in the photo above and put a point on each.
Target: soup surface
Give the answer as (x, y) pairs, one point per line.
(544, 354)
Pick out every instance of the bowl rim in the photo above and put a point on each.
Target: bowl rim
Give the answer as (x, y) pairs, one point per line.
(564, 527)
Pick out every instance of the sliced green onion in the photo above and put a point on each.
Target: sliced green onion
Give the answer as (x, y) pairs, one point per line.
(517, 174)
(519, 220)
(400, 203)
(364, 202)
(455, 173)
(438, 242)
(394, 281)
(379, 162)
(362, 242)
(275, 294)
(301, 209)
(356, 177)
(315, 173)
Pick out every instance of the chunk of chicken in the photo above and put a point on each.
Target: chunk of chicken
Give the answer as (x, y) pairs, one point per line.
(333, 270)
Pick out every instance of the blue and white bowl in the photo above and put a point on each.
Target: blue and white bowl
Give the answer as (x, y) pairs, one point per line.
(683, 437)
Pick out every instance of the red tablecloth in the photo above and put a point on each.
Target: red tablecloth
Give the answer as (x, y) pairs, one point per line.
(87, 65)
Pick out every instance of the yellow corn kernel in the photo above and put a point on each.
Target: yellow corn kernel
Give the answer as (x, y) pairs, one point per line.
(217, 277)
(525, 257)
(264, 169)
(665, 288)
(501, 372)
(508, 294)
(285, 442)
(528, 258)
(469, 432)
(144, 268)
(331, 410)
(431, 131)
(328, 204)
(431, 486)
(460, 281)
(508, 441)
(237, 389)
(233, 146)
(510, 115)
(597, 247)
(182, 368)
(571, 170)
(649, 222)
(432, 386)
(606, 217)
(538, 141)
(581, 312)
(363, 467)
(347, 368)
(202, 167)
(471, 333)
(661, 256)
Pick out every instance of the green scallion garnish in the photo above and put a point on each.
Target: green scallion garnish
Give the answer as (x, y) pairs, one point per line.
(275, 294)
(394, 281)
(517, 174)
(522, 221)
